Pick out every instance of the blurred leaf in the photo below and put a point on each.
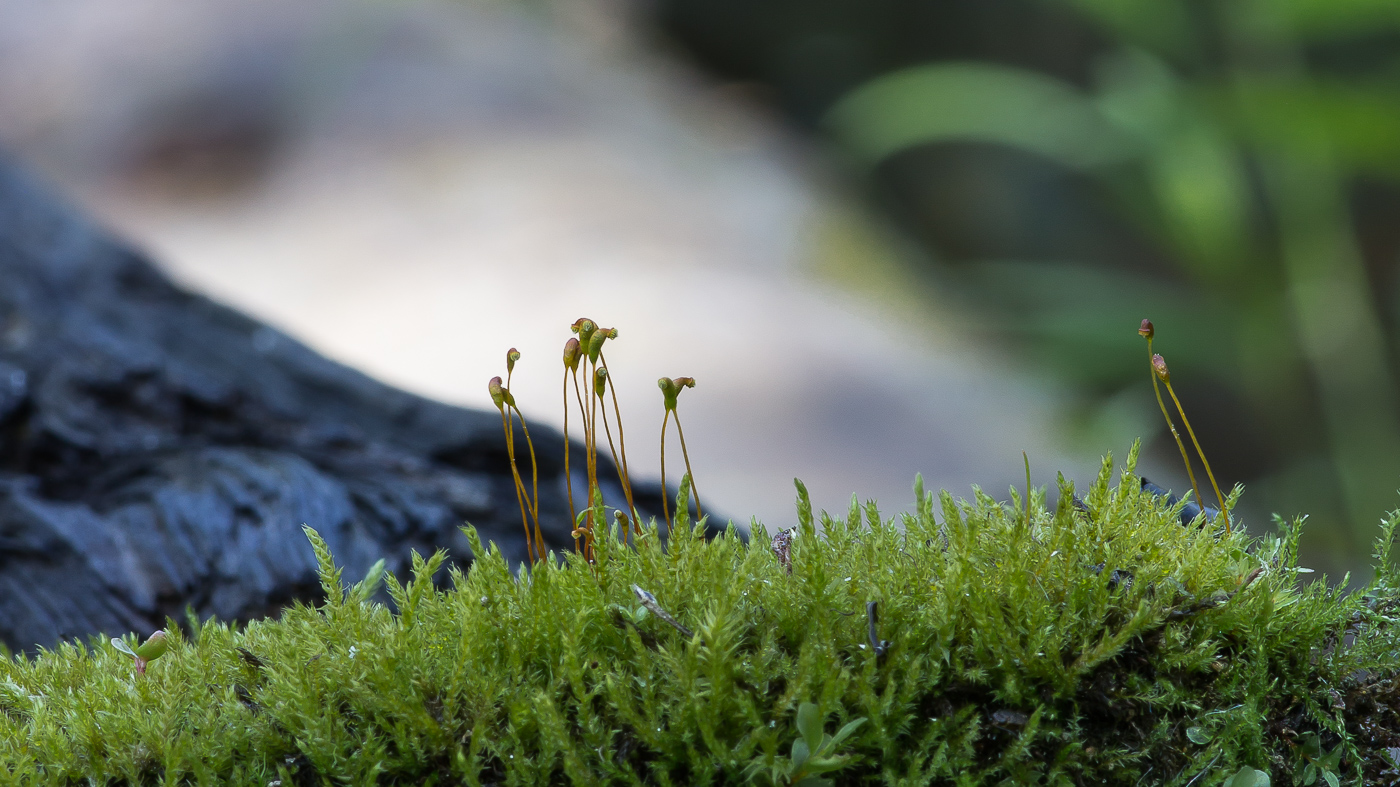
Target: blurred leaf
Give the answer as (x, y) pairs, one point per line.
(1204, 196)
(1082, 320)
(1358, 125)
(1139, 93)
(976, 102)
(1327, 18)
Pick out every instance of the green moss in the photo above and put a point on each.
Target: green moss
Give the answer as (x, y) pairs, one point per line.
(1103, 646)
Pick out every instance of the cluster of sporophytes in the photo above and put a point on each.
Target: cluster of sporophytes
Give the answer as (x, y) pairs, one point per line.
(1098, 640)
(591, 397)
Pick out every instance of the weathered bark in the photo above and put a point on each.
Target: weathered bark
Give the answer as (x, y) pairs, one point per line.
(158, 450)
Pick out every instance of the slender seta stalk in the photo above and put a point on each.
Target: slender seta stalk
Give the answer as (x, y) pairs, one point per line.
(665, 509)
(535, 481)
(513, 355)
(600, 385)
(670, 392)
(584, 522)
(586, 350)
(1159, 367)
(624, 474)
(571, 354)
(1146, 331)
(680, 430)
(502, 398)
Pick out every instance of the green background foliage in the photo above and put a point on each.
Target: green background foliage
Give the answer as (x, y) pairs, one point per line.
(1217, 138)
(1230, 170)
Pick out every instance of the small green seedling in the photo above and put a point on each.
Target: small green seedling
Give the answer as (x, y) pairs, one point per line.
(813, 754)
(1248, 777)
(153, 648)
(1315, 762)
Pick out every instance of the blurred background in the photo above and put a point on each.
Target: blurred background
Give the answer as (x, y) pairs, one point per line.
(886, 236)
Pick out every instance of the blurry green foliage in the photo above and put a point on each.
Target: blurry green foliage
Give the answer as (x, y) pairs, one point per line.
(1231, 135)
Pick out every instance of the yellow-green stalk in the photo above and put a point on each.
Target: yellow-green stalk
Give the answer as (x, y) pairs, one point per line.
(625, 475)
(670, 392)
(501, 397)
(1146, 331)
(1159, 368)
(513, 355)
(571, 356)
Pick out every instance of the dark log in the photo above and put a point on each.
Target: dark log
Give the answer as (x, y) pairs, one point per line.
(159, 451)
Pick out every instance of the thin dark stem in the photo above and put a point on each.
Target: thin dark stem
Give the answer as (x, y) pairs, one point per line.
(588, 464)
(623, 474)
(1156, 389)
(519, 485)
(583, 413)
(1219, 498)
(568, 477)
(608, 432)
(535, 480)
(688, 471)
(592, 447)
(592, 430)
(665, 509)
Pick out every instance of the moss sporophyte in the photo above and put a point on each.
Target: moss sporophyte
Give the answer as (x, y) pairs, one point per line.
(1095, 638)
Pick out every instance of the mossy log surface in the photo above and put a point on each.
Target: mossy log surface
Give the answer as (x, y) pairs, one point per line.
(1098, 642)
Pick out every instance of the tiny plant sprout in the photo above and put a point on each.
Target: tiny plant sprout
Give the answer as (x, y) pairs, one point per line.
(1159, 367)
(1147, 332)
(153, 648)
(624, 524)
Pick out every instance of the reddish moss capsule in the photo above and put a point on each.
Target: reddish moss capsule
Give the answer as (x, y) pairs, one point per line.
(1159, 366)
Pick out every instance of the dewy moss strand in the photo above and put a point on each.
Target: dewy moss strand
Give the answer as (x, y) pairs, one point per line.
(1100, 644)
